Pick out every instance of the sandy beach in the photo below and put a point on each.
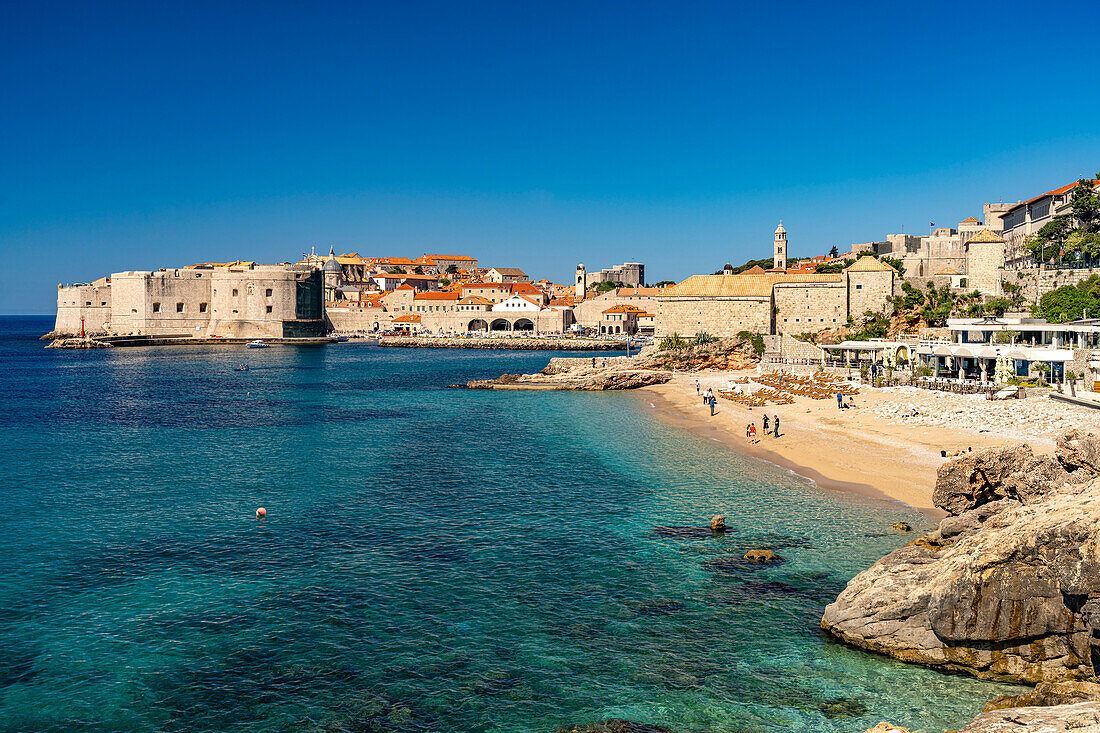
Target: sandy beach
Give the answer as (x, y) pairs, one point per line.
(871, 449)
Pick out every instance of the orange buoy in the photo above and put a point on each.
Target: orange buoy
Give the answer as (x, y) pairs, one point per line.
(261, 513)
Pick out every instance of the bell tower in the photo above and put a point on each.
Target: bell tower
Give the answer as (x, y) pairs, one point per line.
(581, 284)
(779, 257)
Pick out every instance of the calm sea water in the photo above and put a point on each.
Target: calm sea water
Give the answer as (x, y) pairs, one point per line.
(432, 560)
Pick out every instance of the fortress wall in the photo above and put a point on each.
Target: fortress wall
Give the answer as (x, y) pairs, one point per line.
(355, 320)
(868, 291)
(810, 307)
(716, 316)
(90, 301)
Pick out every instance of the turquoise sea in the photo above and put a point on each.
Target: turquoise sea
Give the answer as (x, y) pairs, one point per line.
(432, 559)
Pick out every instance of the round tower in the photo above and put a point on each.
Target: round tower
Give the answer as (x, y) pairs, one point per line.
(581, 284)
(779, 258)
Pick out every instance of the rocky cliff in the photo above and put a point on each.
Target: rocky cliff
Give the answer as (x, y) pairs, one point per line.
(1008, 586)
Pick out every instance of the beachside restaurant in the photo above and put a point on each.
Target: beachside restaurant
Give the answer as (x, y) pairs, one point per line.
(990, 363)
(1023, 331)
(856, 354)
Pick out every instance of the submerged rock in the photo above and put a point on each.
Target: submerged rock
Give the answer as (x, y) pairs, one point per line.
(761, 556)
(718, 523)
(901, 527)
(1079, 718)
(1008, 589)
(613, 725)
(887, 728)
(1046, 694)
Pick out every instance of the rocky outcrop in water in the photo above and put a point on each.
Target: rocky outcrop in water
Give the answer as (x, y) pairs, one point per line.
(1008, 586)
(588, 379)
(77, 342)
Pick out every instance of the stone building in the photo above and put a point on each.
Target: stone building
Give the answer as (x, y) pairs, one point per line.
(773, 302)
(631, 274)
(237, 300)
(1027, 217)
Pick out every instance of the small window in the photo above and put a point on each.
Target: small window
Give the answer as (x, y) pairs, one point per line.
(103, 303)
(859, 287)
(88, 303)
(234, 310)
(202, 307)
(156, 307)
(269, 309)
(268, 292)
(234, 292)
(179, 307)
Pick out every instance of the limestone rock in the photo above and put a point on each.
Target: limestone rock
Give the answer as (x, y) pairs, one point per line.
(1010, 598)
(977, 478)
(614, 725)
(1048, 693)
(77, 342)
(990, 475)
(901, 527)
(761, 556)
(887, 728)
(1078, 449)
(718, 523)
(1081, 717)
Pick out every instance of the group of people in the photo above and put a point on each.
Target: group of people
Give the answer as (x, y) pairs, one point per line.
(750, 429)
(710, 401)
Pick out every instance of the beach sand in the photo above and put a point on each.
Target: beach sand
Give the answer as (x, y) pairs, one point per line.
(864, 450)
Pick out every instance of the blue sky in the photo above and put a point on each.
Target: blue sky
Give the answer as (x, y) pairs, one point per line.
(535, 135)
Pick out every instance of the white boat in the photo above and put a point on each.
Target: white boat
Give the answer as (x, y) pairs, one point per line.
(258, 344)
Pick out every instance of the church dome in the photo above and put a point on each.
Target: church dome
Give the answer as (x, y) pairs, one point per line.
(331, 265)
(779, 229)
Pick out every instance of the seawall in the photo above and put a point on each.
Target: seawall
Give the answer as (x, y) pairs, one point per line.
(533, 343)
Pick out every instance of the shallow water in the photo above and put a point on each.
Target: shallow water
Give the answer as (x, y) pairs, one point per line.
(432, 560)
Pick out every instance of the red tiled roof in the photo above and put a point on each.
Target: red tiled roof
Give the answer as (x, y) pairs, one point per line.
(1055, 192)
(407, 319)
(436, 295)
(624, 309)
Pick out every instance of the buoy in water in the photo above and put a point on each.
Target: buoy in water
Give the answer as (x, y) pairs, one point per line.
(261, 513)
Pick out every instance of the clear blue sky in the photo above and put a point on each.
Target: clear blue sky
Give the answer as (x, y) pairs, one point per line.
(536, 135)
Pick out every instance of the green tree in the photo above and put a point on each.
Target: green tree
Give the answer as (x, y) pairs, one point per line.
(834, 252)
(1070, 302)
(1048, 241)
(418, 270)
(452, 269)
(1086, 206)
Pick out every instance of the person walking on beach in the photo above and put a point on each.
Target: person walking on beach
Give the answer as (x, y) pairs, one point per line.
(775, 422)
(765, 422)
(839, 400)
(696, 386)
(713, 401)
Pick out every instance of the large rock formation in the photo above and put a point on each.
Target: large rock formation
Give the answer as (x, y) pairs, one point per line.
(1008, 586)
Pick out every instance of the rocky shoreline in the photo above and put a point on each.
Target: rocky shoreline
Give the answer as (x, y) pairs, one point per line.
(1006, 588)
(520, 343)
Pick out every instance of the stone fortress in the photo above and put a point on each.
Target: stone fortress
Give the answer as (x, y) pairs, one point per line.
(629, 274)
(210, 300)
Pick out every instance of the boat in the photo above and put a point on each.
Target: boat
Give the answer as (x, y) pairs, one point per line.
(258, 344)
